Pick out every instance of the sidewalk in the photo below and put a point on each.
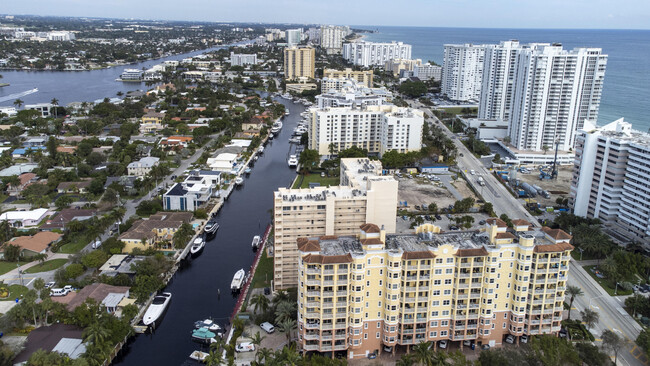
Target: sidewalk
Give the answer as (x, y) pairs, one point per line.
(13, 275)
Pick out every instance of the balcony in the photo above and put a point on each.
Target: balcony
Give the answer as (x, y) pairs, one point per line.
(313, 293)
(312, 326)
(326, 338)
(311, 337)
(465, 265)
(310, 347)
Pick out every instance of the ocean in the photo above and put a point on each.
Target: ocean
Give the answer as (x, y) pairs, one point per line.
(626, 90)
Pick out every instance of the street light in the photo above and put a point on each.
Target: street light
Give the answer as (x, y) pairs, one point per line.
(581, 250)
(616, 288)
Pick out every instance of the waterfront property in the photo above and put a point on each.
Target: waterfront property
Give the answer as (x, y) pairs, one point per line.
(462, 71)
(188, 195)
(364, 195)
(368, 54)
(155, 232)
(364, 77)
(372, 292)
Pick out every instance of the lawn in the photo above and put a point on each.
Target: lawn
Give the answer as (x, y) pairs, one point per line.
(8, 266)
(458, 110)
(47, 266)
(263, 273)
(316, 178)
(15, 291)
(606, 284)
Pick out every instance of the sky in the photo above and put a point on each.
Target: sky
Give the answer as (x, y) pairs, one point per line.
(591, 14)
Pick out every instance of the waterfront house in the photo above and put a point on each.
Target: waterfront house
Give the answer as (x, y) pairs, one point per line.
(25, 218)
(155, 232)
(151, 122)
(107, 295)
(62, 338)
(188, 195)
(120, 264)
(142, 167)
(31, 245)
(224, 162)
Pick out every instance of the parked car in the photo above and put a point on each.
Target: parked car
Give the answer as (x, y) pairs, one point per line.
(372, 355)
(523, 339)
(482, 222)
(97, 244)
(50, 284)
(485, 347)
(267, 327)
(245, 347)
(388, 349)
(510, 339)
(438, 217)
(58, 292)
(453, 227)
(443, 344)
(467, 343)
(472, 172)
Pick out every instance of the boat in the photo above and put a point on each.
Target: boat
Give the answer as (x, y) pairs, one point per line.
(204, 335)
(238, 280)
(157, 307)
(247, 170)
(199, 356)
(260, 150)
(209, 324)
(286, 113)
(255, 158)
(239, 181)
(256, 241)
(197, 246)
(293, 161)
(211, 228)
(277, 126)
(294, 140)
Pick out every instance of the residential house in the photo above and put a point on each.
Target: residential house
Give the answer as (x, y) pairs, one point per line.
(120, 264)
(142, 167)
(62, 338)
(175, 142)
(188, 195)
(26, 151)
(18, 169)
(66, 149)
(74, 187)
(158, 229)
(107, 295)
(25, 180)
(151, 122)
(125, 181)
(65, 216)
(25, 218)
(31, 245)
(224, 162)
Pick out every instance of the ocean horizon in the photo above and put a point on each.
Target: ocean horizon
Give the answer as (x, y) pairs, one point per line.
(626, 90)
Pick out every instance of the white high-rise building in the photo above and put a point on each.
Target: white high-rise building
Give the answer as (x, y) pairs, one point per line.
(462, 71)
(428, 71)
(294, 36)
(497, 82)
(554, 92)
(377, 128)
(242, 59)
(350, 93)
(610, 178)
(375, 54)
(332, 37)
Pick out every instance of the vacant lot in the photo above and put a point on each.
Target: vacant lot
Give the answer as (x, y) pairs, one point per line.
(422, 191)
(561, 184)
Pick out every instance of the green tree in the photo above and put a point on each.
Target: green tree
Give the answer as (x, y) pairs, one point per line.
(285, 310)
(94, 259)
(18, 103)
(308, 160)
(260, 302)
(11, 252)
(643, 340)
(554, 351)
(74, 270)
(287, 326)
(589, 317)
(183, 235)
(573, 292)
(413, 89)
(612, 343)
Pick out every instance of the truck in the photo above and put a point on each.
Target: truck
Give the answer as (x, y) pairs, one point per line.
(480, 181)
(532, 192)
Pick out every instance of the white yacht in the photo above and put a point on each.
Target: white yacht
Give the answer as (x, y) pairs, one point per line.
(211, 228)
(277, 126)
(256, 241)
(199, 356)
(238, 280)
(157, 307)
(293, 161)
(197, 245)
(239, 181)
(260, 150)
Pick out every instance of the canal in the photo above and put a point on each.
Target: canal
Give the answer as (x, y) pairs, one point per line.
(196, 285)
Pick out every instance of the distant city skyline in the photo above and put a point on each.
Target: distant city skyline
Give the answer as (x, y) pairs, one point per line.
(579, 14)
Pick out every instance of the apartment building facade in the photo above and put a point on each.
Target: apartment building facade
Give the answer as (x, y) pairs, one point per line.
(363, 194)
(299, 62)
(352, 94)
(610, 178)
(364, 77)
(332, 37)
(555, 91)
(242, 59)
(376, 128)
(368, 54)
(427, 72)
(498, 80)
(462, 71)
(359, 294)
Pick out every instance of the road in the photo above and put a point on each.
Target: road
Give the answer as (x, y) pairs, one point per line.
(502, 200)
(610, 309)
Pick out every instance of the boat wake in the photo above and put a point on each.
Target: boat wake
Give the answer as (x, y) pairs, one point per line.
(18, 95)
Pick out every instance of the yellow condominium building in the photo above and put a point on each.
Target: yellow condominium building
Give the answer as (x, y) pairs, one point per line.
(299, 62)
(364, 195)
(363, 77)
(376, 293)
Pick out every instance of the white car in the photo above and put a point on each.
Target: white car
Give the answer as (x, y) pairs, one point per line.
(472, 172)
(510, 339)
(443, 344)
(267, 327)
(50, 284)
(245, 347)
(523, 339)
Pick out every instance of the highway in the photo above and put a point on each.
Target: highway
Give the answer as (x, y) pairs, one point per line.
(610, 309)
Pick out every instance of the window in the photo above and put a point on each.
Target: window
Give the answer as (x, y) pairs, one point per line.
(448, 281)
(378, 335)
(447, 292)
(445, 302)
(434, 313)
(438, 271)
(443, 333)
(365, 335)
(433, 334)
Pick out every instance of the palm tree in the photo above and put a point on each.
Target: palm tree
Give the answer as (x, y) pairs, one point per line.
(214, 358)
(406, 360)
(280, 296)
(260, 302)
(263, 355)
(440, 359)
(257, 339)
(285, 310)
(423, 353)
(18, 103)
(589, 317)
(95, 333)
(287, 326)
(290, 356)
(573, 292)
(55, 103)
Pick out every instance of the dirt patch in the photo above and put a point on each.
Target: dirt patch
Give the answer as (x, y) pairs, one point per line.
(462, 188)
(556, 187)
(421, 191)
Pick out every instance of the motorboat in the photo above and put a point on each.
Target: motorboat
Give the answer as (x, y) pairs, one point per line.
(238, 280)
(256, 241)
(199, 356)
(157, 307)
(204, 335)
(197, 245)
(247, 170)
(294, 140)
(277, 126)
(255, 158)
(239, 181)
(286, 113)
(211, 228)
(260, 150)
(293, 161)
(209, 324)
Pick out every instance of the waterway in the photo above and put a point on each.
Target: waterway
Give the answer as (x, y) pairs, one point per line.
(76, 86)
(196, 285)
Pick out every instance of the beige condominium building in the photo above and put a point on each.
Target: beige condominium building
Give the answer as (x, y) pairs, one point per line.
(299, 62)
(373, 292)
(364, 195)
(362, 77)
